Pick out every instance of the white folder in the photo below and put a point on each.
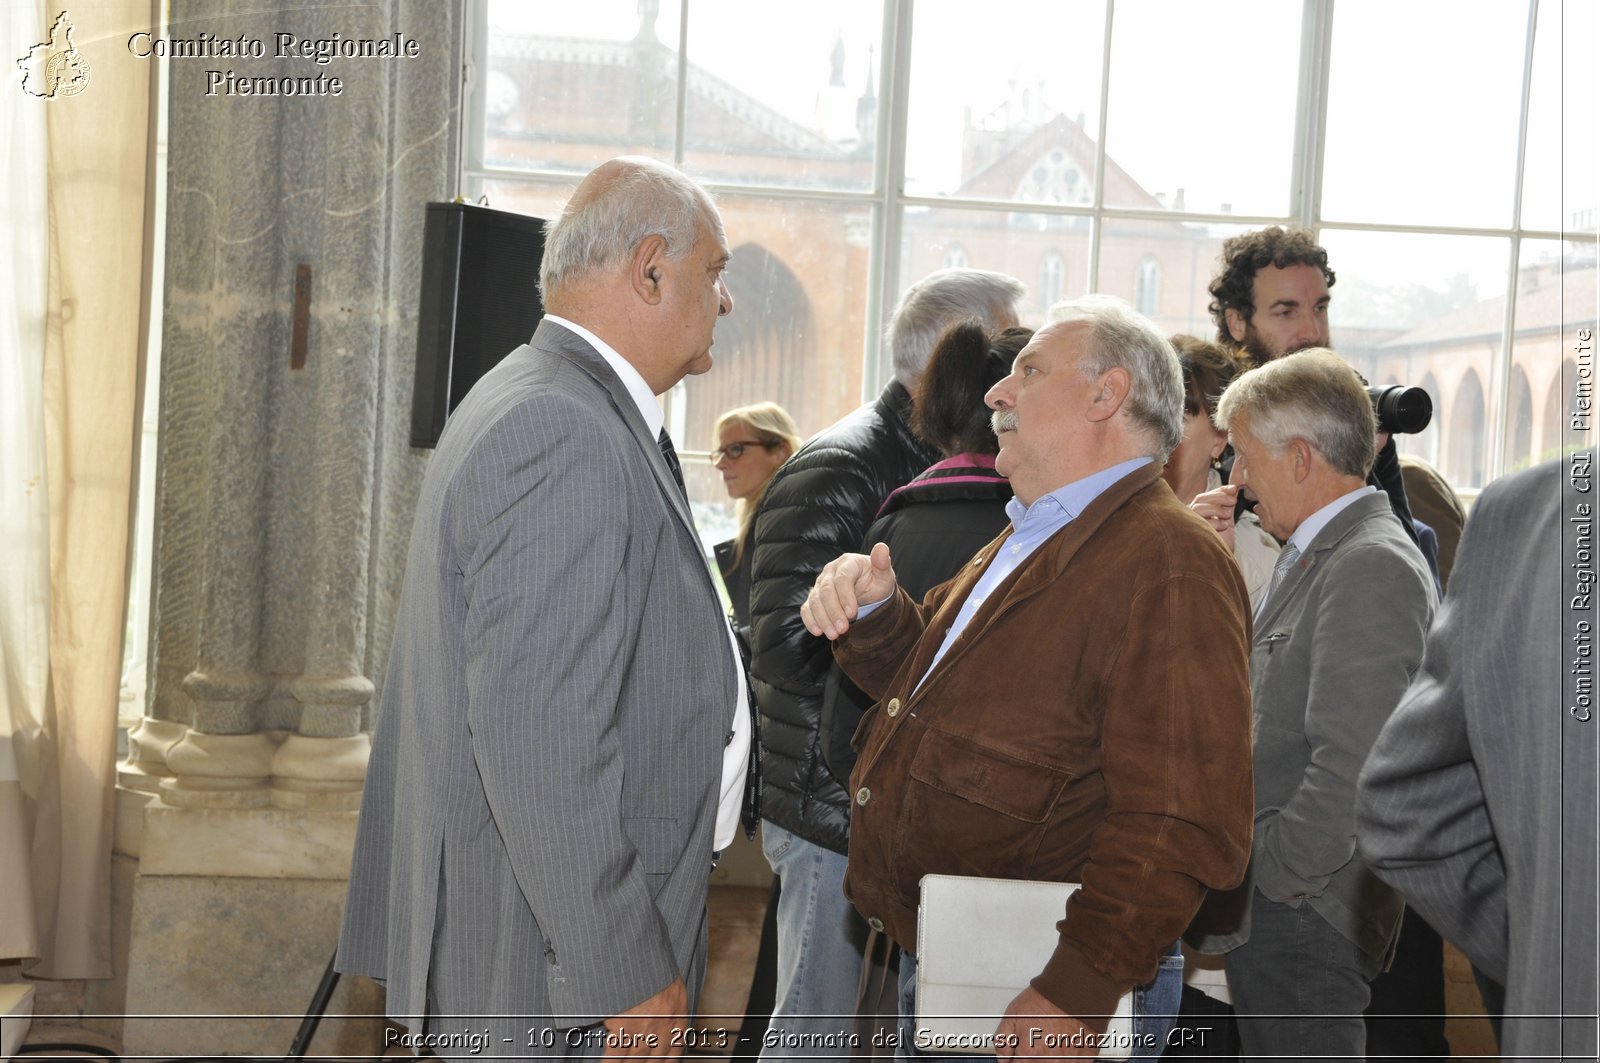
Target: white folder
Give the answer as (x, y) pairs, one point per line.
(980, 941)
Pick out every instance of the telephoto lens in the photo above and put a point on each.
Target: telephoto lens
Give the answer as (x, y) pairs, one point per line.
(1401, 410)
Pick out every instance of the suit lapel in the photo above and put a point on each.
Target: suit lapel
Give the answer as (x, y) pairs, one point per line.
(1352, 517)
(552, 337)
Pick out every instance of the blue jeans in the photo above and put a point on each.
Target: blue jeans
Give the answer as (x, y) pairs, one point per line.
(1155, 1007)
(1298, 985)
(820, 944)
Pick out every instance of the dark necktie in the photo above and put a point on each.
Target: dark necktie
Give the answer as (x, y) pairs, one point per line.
(670, 453)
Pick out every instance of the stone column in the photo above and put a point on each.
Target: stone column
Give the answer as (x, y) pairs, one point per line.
(285, 491)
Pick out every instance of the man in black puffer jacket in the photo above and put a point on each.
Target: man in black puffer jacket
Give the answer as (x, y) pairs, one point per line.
(819, 505)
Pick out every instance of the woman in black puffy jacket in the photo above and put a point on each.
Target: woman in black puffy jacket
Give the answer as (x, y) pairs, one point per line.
(938, 521)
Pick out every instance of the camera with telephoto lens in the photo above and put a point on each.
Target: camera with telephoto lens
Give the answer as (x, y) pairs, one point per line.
(1401, 410)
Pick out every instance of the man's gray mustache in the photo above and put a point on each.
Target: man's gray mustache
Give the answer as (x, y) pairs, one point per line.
(1003, 421)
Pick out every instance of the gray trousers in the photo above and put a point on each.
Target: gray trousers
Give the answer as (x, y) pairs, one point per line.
(1299, 986)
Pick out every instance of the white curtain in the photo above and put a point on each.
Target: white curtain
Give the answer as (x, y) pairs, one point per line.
(70, 343)
(24, 494)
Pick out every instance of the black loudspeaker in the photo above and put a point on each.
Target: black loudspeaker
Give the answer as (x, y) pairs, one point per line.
(480, 300)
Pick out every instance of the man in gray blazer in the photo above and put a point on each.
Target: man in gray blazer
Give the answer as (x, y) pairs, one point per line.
(563, 728)
(1478, 802)
(1336, 641)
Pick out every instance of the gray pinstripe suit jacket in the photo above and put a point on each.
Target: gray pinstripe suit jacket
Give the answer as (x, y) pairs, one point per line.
(536, 830)
(1478, 802)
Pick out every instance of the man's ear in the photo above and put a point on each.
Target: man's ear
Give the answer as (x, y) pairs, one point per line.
(646, 268)
(1109, 394)
(1303, 454)
(1237, 325)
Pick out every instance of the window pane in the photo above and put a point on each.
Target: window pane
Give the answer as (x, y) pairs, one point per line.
(1423, 108)
(1049, 254)
(538, 199)
(1005, 105)
(1162, 269)
(1561, 182)
(567, 86)
(1555, 298)
(1175, 89)
(1429, 312)
(798, 278)
(783, 100)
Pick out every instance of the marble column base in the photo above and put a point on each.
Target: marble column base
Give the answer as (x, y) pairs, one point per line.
(227, 966)
(220, 771)
(235, 913)
(320, 773)
(148, 745)
(266, 770)
(246, 842)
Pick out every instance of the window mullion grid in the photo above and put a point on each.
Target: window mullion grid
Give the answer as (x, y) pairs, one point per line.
(1097, 219)
(681, 120)
(1311, 113)
(889, 175)
(1499, 422)
(470, 113)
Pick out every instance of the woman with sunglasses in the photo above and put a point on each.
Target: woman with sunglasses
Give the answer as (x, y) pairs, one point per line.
(752, 441)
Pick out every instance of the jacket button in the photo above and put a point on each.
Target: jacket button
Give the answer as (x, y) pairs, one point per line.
(863, 795)
(876, 924)
(893, 708)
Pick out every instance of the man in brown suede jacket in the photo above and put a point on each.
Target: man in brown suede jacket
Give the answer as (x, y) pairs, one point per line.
(1075, 705)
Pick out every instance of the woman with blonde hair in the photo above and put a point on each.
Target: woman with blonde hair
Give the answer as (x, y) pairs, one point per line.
(752, 441)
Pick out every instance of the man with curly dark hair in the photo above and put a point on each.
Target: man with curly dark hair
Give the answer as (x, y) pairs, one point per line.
(1270, 296)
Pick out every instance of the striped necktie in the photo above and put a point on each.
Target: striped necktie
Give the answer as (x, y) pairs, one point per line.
(670, 453)
(1286, 560)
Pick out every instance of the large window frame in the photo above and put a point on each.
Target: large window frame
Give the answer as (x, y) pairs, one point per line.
(888, 202)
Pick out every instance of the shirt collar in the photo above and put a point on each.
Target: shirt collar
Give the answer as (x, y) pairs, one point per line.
(638, 390)
(1065, 503)
(1306, 534)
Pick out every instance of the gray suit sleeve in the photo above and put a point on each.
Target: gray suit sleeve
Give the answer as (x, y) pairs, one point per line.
(1372, 620)
(1423, 819)
(544, 529)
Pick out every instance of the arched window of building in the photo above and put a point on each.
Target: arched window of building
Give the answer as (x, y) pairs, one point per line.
(1464, 433)
(955, 257)
(1425, 444)
(1519, 421)
(760, 356)
(1052, 278)
(1552, 424)
(1147, 286)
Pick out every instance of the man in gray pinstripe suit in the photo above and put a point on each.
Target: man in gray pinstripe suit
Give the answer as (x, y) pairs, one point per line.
(562, 738)
(1478, 802)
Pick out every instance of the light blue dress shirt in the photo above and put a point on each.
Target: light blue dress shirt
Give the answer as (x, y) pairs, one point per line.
(1032, 526)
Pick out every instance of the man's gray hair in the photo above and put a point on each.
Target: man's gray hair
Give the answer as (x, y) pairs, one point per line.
(602, 231)
(942, 299)
(1312, 395)
(1121, 337)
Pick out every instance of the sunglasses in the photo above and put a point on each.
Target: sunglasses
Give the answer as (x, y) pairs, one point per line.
(735, 451)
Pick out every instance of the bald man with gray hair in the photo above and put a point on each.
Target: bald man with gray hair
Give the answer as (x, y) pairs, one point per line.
(563, 735)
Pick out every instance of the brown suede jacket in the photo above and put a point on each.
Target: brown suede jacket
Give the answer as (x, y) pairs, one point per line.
(1092, 724)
